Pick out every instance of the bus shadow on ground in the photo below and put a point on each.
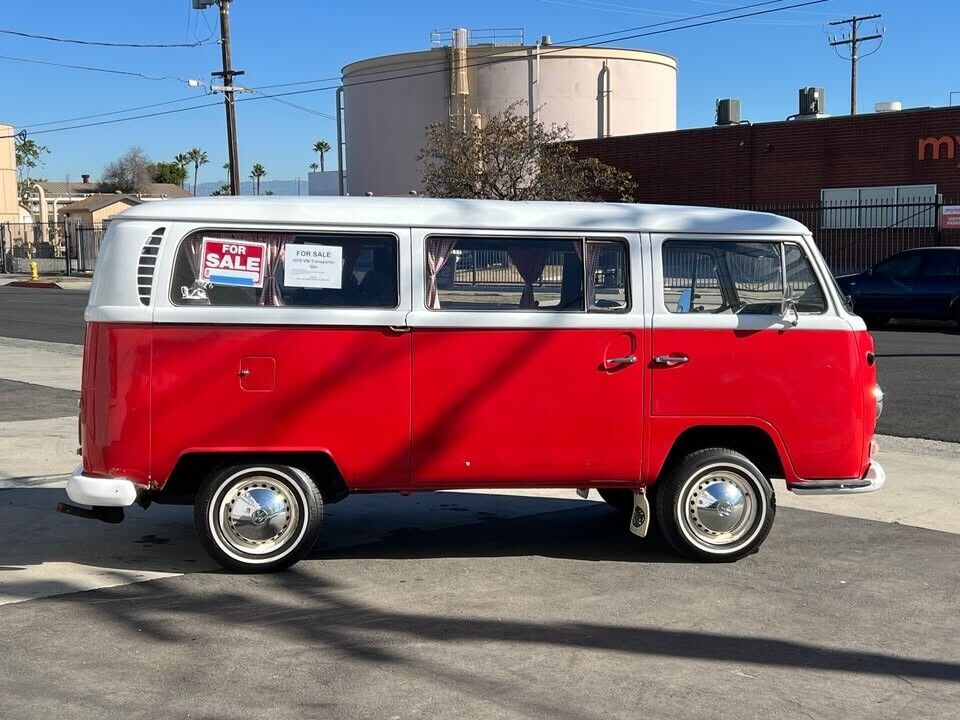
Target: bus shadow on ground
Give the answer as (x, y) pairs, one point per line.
(162, 539)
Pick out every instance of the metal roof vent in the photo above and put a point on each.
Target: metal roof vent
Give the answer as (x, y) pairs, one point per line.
(148, 265)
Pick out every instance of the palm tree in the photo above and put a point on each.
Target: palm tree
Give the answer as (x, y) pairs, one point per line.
(314, 167)
(226, 166)
(321, 148)
(182, 160)
(258, 172)
(198, 157)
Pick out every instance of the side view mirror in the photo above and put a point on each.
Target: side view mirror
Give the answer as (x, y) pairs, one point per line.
(788, 311)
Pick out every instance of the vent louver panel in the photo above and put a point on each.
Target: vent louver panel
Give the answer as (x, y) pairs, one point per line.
(148, 265)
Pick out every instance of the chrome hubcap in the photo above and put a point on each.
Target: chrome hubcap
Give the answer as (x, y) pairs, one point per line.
(258, 515)
(719, 507)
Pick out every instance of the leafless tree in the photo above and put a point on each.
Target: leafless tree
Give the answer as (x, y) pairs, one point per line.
(129, 173)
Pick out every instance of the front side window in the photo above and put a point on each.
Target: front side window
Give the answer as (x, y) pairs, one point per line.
(742, 278)
(526, 274)
(249, 268)
(942, 264)
(804, 288)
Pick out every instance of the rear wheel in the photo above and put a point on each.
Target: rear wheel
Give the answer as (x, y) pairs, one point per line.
(258, 518)
(715, 505)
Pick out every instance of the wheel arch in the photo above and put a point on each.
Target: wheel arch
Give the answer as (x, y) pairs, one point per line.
(762, 446)
(193, 468)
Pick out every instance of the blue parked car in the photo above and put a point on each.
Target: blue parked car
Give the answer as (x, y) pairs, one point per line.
(920, 283)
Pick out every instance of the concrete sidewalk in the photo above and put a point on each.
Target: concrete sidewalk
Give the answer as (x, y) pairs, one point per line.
(47, 281)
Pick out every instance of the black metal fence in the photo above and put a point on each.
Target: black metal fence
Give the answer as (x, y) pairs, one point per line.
(57, 248)
(852, 236)
(856, 235)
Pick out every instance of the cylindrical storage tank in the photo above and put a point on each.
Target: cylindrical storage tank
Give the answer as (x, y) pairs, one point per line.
(389, 101)
(9, 198)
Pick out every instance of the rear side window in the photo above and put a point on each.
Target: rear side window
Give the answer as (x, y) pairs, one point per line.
(906, 265)
(744, 278)
(526, 274)
(248, 269)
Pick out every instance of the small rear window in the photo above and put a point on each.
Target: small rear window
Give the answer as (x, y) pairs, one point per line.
(249, 269)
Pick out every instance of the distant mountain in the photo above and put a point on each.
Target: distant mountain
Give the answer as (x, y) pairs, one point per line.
(279, 187)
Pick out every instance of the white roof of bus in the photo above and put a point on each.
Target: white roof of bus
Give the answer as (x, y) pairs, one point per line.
(476, 214)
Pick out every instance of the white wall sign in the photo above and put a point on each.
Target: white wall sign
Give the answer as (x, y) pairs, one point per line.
(313, 266)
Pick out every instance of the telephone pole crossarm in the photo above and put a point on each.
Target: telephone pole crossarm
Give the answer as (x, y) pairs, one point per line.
(854, 41)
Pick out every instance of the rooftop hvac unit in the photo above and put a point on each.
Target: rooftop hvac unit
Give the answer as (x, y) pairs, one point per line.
(891, 106)
(813, 101)
(728, 111)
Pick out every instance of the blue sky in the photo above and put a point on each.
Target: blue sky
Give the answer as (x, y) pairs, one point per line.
(763, 61)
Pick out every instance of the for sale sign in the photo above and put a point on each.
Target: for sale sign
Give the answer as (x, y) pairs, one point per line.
(233, 262)
(950, 219)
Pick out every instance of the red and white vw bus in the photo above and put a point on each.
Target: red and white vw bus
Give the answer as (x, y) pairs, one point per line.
(260, 358)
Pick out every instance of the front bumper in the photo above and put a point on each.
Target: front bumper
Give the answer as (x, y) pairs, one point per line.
(101, 492)
(871, 482)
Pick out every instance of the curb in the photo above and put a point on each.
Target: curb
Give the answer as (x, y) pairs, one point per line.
(59, 285)
(32, 284)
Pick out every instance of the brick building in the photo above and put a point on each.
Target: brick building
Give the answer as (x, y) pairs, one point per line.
(791, 161)
(867, 185)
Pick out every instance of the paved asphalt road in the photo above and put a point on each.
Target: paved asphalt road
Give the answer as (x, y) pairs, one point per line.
(42, 314)
(556, 613)
(919, 365)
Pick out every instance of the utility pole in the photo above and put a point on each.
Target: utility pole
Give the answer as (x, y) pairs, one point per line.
(854, 40)
(228, 89)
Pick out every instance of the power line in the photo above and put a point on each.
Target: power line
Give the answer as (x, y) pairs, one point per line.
(486, 61)
(90, 68)
(336, 78)
(119, 120)
(312, 111)
(565, 46)
(569, 43)
(27, 126)
(51, 38)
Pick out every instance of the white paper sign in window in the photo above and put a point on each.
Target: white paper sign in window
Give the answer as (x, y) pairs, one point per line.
(313, 266)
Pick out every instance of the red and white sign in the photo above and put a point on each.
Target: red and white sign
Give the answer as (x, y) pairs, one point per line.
(233, 262)
(950, 217)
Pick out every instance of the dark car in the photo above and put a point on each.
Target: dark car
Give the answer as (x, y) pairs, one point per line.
(921, 283)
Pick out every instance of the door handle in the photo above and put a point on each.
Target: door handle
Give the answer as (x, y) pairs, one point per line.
(670, 360)
(399, 328)
(625, 360)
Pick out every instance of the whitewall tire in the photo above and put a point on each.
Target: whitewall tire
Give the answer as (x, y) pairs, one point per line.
(258, 518)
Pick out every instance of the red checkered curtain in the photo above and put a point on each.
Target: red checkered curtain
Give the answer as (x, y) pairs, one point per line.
(529, 263)
(438, 252)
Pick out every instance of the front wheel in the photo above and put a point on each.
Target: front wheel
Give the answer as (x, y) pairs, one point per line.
(258, 518)
(715, 505)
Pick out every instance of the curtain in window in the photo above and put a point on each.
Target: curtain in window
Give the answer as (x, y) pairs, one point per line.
(529, 263)
(438, 252)
(271, 288)
(591, 264)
